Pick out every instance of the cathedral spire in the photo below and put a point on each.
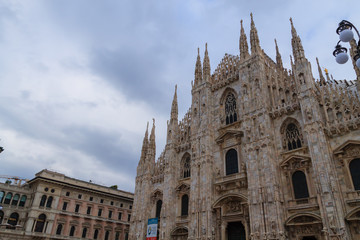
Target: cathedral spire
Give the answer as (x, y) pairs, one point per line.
(254, 38)
(174, 108)
(278, 56)
(206, 65)
(145, 144)
(198, 70)
(322, 79)
(298, 50)
(152, 144)
(243, 45)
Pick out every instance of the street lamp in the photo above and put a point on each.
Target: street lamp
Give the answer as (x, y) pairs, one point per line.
(346, 35)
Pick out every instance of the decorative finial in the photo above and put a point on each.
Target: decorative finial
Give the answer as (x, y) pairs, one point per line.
(205, 46)
(198, 51)
(241, 23)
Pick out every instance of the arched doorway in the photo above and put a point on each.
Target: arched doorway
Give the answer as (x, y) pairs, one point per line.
(304, 226)
(236, 231)
(179, 234)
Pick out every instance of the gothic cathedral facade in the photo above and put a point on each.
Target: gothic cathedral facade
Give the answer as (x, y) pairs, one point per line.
(263, 153)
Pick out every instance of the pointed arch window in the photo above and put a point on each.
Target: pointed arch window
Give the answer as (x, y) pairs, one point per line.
(15, 200)
(230, 109)
(40, 223)
(158, 208)
(42, 201)
(22, 201)
(184, 205)
(8, 198)
(231, 162)
(293, 137)
(300, 185)
(59, 229)
(186, 168)
(354, 167)
(49, 202)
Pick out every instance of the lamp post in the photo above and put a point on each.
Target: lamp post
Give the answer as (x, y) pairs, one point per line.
(346, 35)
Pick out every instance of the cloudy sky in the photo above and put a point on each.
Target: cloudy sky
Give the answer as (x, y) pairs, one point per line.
(79, 79)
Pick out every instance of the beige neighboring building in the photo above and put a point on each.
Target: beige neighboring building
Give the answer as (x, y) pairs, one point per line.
(263, 153)
(54, 206)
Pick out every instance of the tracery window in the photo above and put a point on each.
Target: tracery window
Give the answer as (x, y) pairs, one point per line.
(40, 223)
(8, 198)
(354, 167)
(184, 205)
(186, 168)
(15, 200)
(42, 201)
(300, 185)
(293, 137)
(22, 201)
(158, 208)
(231, 162)
(230, 109)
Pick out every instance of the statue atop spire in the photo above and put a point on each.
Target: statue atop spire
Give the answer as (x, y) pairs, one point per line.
(145, 144)
(298, 50)
(243, 45)
(174, 108)
(322, 79)
(206, 65)
(278, 56)
(152, 144)
(198, 70)
(254, 38)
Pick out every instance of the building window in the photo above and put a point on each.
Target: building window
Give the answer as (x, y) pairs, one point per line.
(129, 217)
(8, 198)
(40, 223)
(22, 201)
(64, 206)
(91, 198)
(42, 201)
(231, 162)
(46, 189)
(49, 202)
(1, 196)
(186, 167)
(126, 236)
(130, 207)
(117, 236)
(58, 229)
(300, 185)
(184, 205)
(1, 216)
(84, 233)
(354, 167)
(15, 199)
(72, 231)
(88, 210)
(99, 212)
(67, 194)
(158, 208)
(107, 233)
(101, 200)
(293, 137)
(13, 219)
(230, 109)
(111, 203)
(120, 216)
(121, 205)
(77, 207)
(96, 233)
(110, 214)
